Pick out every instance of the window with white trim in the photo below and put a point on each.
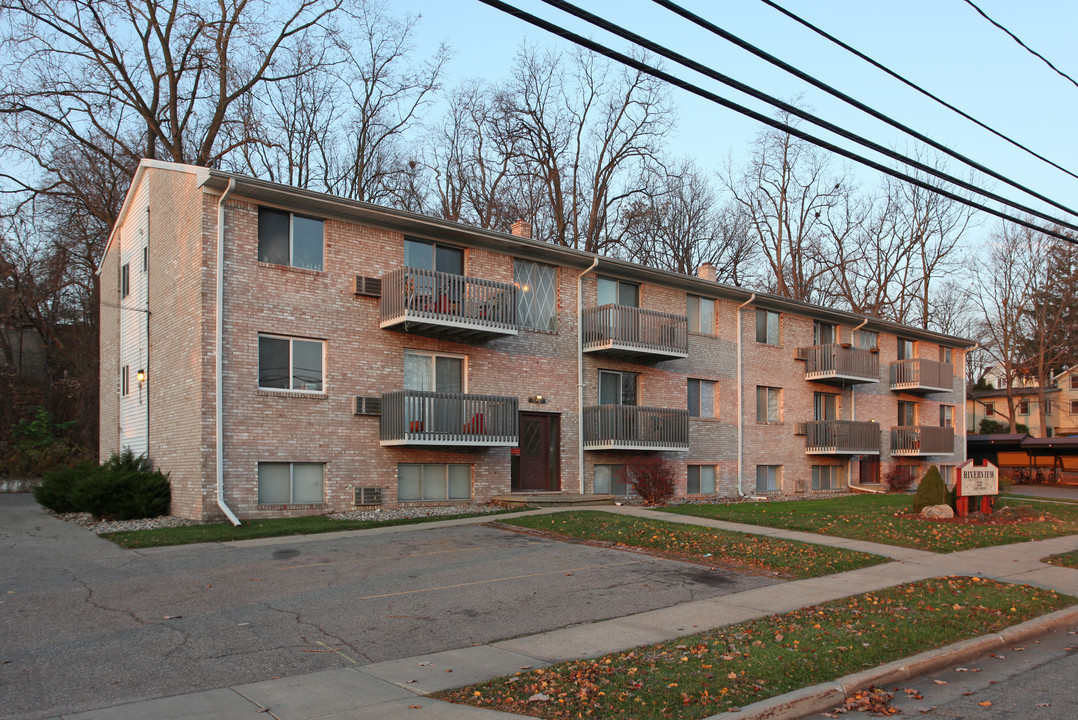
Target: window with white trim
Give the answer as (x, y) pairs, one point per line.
(701, 312)
(428, 482)
(617, 292)
(907, 350)
(768, 478)
(537, 294)
(434, 372)
(1023, 407)
(823, 333)
(946, 354)
(125, 380)
(701, 398)
(291, 483)
(946, 416)
(617, 388)
(767, 327)
(989, 409)
(907, 413)
(285, 238)
(701, 480)
(286, 363)
(611, 480)
(768, 404)
(826, 477)
(125, 280)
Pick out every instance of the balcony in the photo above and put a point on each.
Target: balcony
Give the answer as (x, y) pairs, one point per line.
(633, 333)
(919, 376)
(447, 306)
(919, 440)
(630, 427)
(837, 364)
(421, 418)
(842, 437)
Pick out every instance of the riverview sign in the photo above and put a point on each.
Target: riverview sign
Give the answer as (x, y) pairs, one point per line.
(976, 481)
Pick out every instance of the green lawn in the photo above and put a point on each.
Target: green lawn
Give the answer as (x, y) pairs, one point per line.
(874, 518)
(730, 667)
(278, 527)
(735, 550)
(1065, 559)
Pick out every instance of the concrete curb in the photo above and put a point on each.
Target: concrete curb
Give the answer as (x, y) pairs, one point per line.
(826, 696)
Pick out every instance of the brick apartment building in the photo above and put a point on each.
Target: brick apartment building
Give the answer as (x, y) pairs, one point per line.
(341, 354)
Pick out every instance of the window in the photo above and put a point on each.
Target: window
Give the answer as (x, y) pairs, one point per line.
(907, 413)
(1001, 383)
(906, 350)
(125, 380)
(768, 404)
(537, 296)
(617, 388)
(125, 280)
(768, 478)
(867, 339)
(767, 327)
(702, 398)
(426, 255)
(701, 312)
(281, 483)
(822, 333)
(290, 364)
(1074, 381)
(611, 480)
(1023, 407)
(145, 259)
(826, 477)
(1047, 407)
(288, 239)
(946, 416)
(433, 373)
(989, 409)
(1074, 407)
(618, 292)
(946, 354)
(825, 406)
(433, 481)
(701, 480)
(947, 472)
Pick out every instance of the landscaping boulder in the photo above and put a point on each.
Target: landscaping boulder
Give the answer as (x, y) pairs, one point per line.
(937, 512)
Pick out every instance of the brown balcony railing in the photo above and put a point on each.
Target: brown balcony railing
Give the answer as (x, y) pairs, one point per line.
(921, 375)
(630, 427)
(430, 299)
(417, 417)
(836, 362)
(842, 437)
(922, 440)
(632, 330)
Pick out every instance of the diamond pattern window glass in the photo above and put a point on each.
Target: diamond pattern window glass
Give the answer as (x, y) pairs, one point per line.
(537, 297)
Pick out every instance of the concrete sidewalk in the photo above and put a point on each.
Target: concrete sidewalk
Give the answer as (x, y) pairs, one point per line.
(398, 689)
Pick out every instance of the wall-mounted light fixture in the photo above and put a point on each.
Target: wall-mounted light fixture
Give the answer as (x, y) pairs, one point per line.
(141, 376)
(537, 399)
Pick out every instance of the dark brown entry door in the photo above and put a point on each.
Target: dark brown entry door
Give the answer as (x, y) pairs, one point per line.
(870, 470)
(539, 452)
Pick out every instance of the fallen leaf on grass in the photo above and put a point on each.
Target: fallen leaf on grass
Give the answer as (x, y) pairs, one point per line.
(539, 697)
(985, 703)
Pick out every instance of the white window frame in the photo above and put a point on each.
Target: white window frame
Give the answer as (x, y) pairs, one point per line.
(768, 420)
(422, 491)
(694, 305)
(611, 469)
(767, 315)
(125, 381)
(291, 364)
(125, 280)
(291, 483)
(433, 359)
(701, 404)
(292, 238)
(834, 477)
(947, 416)
(700, 472)
(772, 472)
(1023, 407)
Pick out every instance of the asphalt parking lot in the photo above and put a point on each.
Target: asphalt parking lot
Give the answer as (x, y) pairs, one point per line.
(86, 624)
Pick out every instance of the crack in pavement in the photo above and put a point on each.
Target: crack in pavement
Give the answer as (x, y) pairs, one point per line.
(300, 621)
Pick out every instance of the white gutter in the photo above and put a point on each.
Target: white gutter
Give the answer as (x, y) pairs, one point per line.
(740, 400)
(219, 349)
(580, 370)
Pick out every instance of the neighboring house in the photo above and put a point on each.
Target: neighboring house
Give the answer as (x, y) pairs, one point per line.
(1061, 411)
(354, 355)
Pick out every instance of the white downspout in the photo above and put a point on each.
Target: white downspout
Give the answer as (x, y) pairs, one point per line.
(853, 402)
(580, 370)
(740, 400)
(219, 389)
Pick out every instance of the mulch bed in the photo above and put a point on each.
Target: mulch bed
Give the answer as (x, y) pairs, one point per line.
(1003, 516)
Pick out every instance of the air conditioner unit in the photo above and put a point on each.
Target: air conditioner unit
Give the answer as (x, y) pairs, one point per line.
(801, 353)
(368, 405)
(368, 496)
(368, 286)
(801, 486)
(801, 428)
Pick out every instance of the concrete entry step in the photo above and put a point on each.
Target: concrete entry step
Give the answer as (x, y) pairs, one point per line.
(554, 499)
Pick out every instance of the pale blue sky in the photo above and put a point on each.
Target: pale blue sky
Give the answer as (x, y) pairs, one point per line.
(942, 45)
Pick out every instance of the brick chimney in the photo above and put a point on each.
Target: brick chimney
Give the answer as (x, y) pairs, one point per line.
(706, 271)
(522, 229)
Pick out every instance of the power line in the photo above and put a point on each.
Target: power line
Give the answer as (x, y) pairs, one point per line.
(730, 37)
(1028, 49)
(804, 115)
(914, 86)
(759, 117)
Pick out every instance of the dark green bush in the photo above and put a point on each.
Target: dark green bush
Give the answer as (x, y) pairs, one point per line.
(125, 487)
(54, 492)
(931, 491)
